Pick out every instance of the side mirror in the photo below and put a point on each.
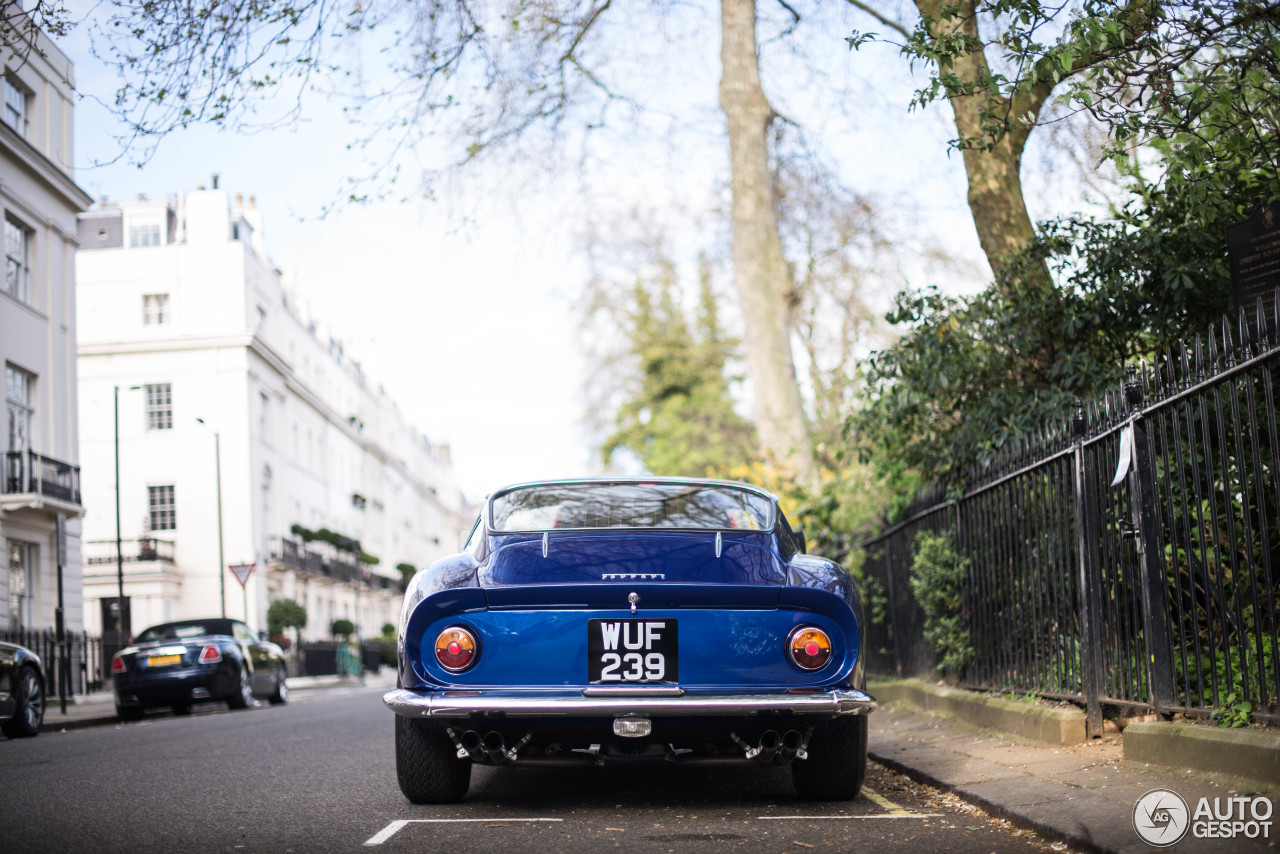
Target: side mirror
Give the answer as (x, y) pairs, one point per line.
(800, 544)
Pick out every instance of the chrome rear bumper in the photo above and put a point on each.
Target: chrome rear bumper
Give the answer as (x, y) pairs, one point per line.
(612, 701)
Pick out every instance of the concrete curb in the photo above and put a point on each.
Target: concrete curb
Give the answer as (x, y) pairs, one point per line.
(1059, 827)
(1248, 753)
(96, 710)
(1051, 725)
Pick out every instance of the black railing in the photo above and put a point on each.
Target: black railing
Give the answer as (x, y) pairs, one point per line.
(75, 667)
(291, 552)
(1129, 555)
(137, 550)
(29, 472)
(331, 563)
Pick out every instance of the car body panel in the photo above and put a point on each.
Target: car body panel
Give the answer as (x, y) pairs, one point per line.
(529, 597)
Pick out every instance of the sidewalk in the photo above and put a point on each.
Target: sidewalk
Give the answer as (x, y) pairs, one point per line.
(98, 709)
(1082, 794)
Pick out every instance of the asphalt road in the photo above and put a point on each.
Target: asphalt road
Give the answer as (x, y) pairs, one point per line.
(318, 775)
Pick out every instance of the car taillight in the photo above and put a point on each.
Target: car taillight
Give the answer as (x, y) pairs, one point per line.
(210, 655)
(456, 649)
(117, 663)
(809, 648)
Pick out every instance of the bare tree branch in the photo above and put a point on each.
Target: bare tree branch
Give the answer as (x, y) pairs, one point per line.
(888, 22)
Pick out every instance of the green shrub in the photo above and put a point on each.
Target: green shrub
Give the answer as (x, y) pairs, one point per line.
(938, 577)
(343, 628)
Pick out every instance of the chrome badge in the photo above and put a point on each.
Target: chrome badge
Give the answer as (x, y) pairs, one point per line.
(634, 599)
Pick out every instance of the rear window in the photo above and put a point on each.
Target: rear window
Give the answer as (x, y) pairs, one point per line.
(181, 631)
(542, 507)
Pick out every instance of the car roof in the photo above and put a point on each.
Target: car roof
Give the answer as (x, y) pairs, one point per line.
(638, 480)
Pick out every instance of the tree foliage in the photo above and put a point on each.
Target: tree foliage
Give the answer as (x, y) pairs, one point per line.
(678, 415)
(971, 375)
(285, 614)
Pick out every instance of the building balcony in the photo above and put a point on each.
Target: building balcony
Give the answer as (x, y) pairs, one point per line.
(31, 480)
(292, 553)
(331, 563)
(140, 550)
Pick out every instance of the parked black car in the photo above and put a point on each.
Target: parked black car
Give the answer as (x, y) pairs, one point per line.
(21, 691)
(192, 661)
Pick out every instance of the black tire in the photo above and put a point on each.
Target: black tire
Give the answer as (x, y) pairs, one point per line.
(281, 693)
(129, 713)
(28, 714)
(181, 709)
(427, 764)
(243, 698)
(837, 762)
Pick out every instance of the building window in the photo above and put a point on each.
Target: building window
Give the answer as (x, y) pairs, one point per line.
(16, 106)
(160, 406)
(155, 309)
(144, 231)
(17, 259)
(17, 403)
(21, 562)
(164, 515)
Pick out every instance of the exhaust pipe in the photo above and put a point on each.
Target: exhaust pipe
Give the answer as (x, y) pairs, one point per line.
(770, 741)
(791, 744)
(494, 748)
(471, 748)
(765, 752)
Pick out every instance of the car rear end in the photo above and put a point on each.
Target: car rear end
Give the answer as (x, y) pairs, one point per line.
(173, 673)
(599, 646)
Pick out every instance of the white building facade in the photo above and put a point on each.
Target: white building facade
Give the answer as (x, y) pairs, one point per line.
(39, 447)
(224, 389)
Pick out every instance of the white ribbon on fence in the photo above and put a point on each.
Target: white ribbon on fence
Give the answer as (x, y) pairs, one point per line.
(1126, 454)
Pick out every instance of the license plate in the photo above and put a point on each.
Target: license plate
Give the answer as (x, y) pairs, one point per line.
(632, 650)
(163, 660)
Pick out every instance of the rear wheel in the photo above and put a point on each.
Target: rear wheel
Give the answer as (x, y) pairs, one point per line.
(281, 692)
(243, 698)
(28, 714)
(837, 761)
(427, 764)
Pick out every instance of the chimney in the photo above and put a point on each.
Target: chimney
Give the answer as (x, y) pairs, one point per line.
(215, 180)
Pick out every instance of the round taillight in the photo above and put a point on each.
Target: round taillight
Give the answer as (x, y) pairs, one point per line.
(456, 649)
(809, 648)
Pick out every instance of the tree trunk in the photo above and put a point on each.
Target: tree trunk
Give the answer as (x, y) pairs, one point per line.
(995, 182)
(760, 269)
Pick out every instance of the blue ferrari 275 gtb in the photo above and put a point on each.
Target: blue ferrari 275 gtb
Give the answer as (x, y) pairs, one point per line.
(623, 620)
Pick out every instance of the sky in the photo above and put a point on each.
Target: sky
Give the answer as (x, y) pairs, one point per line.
(465, 307)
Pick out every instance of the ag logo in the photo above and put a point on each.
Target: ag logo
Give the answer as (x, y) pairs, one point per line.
(1161, 817)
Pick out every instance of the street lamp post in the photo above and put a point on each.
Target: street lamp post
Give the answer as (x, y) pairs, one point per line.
(222, 567)
(120, 610)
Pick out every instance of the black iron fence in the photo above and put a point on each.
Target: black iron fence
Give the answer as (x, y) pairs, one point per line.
(29, 472)
(1128, 555)
(321, 658)
(73, 667)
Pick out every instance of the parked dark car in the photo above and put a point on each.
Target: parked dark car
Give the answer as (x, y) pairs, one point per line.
(22, 691)
(193, 661)
(620, 621)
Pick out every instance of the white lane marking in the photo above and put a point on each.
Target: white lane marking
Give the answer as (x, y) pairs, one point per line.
(386, 833)
(837, 817)
(391, 829)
